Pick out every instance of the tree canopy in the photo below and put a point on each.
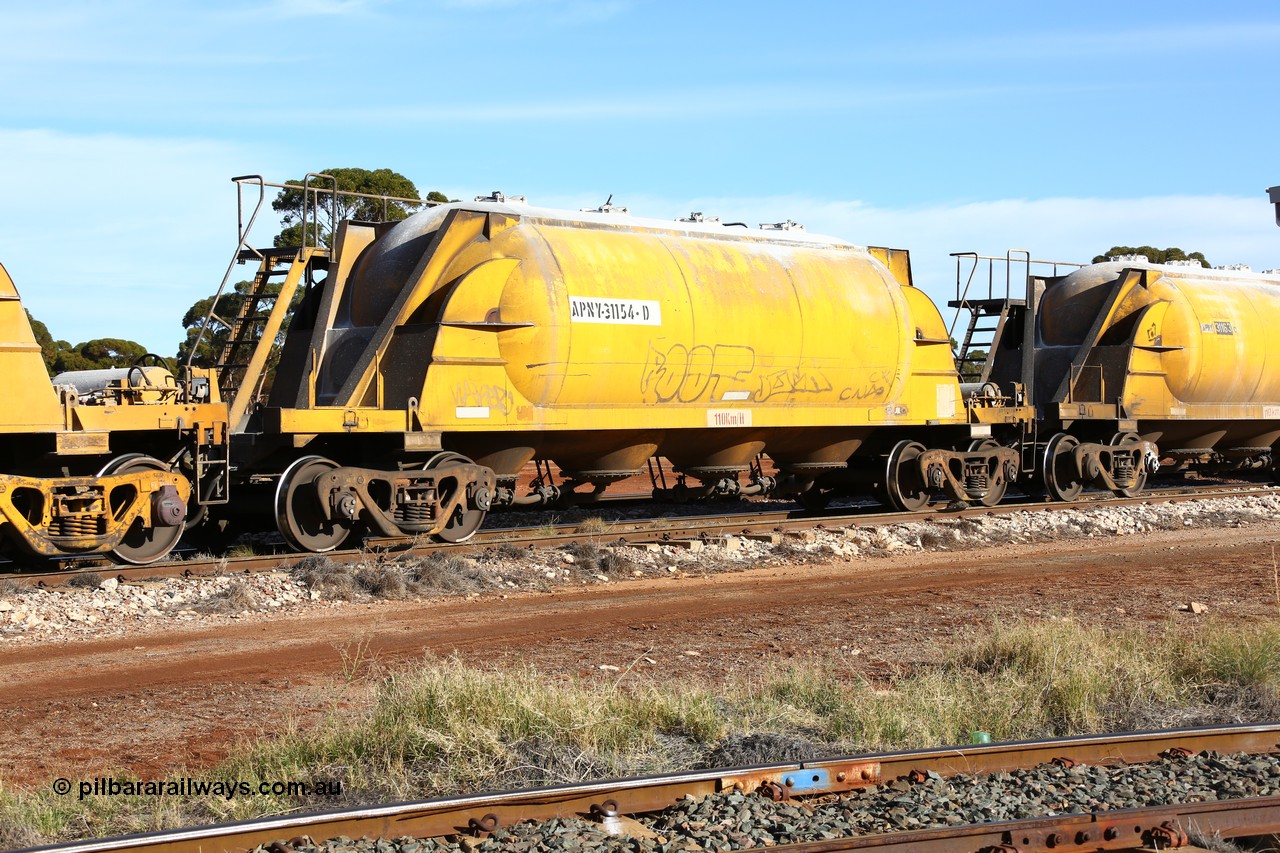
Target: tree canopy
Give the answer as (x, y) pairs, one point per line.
(97, 354)
(48, 346)
(1156, 256)
(376, 182)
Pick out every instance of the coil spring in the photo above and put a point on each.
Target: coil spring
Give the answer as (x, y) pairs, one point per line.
(410, 513)
(975, 480)
(1124, 471)
(78, 525)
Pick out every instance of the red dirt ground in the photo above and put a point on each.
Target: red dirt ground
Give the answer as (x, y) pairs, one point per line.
(183, 696)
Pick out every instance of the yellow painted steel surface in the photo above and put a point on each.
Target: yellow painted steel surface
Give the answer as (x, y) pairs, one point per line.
(29, 399)
(539, 319)
(82, 515)
(1201, 343)
(1228, 334)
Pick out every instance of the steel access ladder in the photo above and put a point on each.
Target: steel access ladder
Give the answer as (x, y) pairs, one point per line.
(987, 318)
(254, 331)
(241, 365)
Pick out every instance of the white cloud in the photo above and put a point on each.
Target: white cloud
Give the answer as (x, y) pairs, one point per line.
(562, 12)
(1100, 40)
(116, 236)
(1045, 46)
(484, 5)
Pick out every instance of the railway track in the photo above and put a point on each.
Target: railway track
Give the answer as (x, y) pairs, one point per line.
(689, 530)
(656, 813)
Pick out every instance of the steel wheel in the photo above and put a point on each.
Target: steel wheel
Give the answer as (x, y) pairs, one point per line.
(465, 521)
(902, 482)
(1140, 476)
(997, 485)
(1061, 477)
(141, 544)
(299, 515)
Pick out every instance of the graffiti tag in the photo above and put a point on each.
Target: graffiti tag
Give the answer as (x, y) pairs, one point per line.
(467, 394)
(686, 374)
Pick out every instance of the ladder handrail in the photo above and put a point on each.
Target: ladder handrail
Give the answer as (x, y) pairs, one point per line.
(379, 196)
(311, 199)
(241, 245)
(1008, 268)
(964, 284)
(307, 191)
(962, 297)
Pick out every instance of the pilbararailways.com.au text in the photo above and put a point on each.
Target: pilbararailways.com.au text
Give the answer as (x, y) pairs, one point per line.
(226, 788)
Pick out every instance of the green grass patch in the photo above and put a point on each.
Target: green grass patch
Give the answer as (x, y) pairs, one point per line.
(445, 727)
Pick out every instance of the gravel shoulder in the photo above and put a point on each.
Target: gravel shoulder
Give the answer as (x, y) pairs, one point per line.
(153, 692)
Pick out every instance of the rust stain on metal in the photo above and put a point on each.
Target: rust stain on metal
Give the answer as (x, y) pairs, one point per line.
(816, 778)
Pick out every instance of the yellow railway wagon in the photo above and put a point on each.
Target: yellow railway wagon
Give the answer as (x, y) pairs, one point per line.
(504, 333)
(104, 462)
(1168, 362)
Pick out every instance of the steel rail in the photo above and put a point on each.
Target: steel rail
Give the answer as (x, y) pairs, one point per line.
(707, 529)
(1130, 829)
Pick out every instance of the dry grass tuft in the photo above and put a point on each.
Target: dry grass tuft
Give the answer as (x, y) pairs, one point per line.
(738, 749)
(591, 558)
(593, 525)
(10, 588)
(16, 835)
(384, 580)
(405, 577)
(448, 573)
(85, 580)
(511, 551)
(330, 579)
(236, 597)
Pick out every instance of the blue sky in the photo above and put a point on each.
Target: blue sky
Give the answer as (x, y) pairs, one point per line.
(937, 127)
